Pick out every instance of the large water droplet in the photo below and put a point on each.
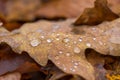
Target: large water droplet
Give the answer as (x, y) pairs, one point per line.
(77, 50)
(35, 42)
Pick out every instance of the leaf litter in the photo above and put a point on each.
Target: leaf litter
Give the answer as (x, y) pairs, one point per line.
(65, 45)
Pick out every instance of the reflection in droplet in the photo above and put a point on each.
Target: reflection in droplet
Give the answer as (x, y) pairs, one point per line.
(72, 69)
(64, 68)
(80, 39)
(88, 44)
(60, 52)
(76, 50)
(68, 54)
(49, 40)
(42, 37)
(94, 39)
(35, 42)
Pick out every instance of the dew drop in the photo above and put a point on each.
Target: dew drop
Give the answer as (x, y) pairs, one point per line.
(75, 66)
(68, 54)
(72, 69)
(66, 40)
(49, 40)
(60, 52)
(88, 44)
(58, 63)
(76, 63)
(35, 43)
(1, 23)
(57, 39)
(76, 50)
(42, 37)
(94, 39)
(75, 42)
(64, 69)
(80, 39)
(100, 43)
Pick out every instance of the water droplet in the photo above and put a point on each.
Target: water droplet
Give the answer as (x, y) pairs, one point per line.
(68, 54)
(58, 63)
(42, 37)
(49, 40)
(1, 23)
(64, 69)
(39, 30)
(76, 50)
(88, 44)
(76, 63)
(94, 38)
(66, 40)
(58, 34)
(35, 42)
(80, 39)
(75, 66)
(100, 43)
(57, 39)
(72, 69)
(60, 52)
(55, 26)
(75, 42)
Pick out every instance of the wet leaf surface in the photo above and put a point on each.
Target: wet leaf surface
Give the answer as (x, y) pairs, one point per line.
(64, 48)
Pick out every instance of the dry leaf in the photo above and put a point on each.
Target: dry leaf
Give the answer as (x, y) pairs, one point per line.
(11, 76)
(54, 41)
(11, 61)
(96, 15)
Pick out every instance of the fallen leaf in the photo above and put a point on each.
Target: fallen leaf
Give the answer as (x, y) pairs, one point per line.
(54, 41)
(96, 15)
(11, 61)
(11, 76)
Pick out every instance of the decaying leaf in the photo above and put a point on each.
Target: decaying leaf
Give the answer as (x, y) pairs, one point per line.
(11, 61)
(96, 15)
(11, 76)
(55, 41)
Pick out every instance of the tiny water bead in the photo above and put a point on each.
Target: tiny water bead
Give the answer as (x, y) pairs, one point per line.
(80, 39)
(49, 40)
(94, 39)
(72, 69)
(88, 44)
(67, 54)
(66, 40)
(60, 52)
(77, 50)
(1, 23)
(35, 42)
(42, 37)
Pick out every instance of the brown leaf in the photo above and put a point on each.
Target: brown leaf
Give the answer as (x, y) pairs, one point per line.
(96, 15)
(11, 76)
(54, 41)
(63, 8)
(10, 61)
